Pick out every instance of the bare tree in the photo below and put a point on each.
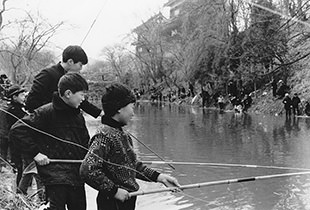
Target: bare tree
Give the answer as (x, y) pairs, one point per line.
(25, 53)
(119, 63)
(2, 10)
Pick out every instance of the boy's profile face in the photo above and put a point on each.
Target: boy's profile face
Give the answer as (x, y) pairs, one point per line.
(20, 98)
(74, 67)
(126, 113)
(74, 99)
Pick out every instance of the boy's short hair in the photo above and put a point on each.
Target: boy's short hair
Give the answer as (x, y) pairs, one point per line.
(115, 97)
(76, 53)
(72, 81)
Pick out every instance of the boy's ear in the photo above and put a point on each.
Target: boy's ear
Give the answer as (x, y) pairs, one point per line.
(67, 93)
(14, 97)
(70, 61)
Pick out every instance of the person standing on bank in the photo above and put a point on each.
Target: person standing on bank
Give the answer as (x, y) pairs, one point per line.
(45, 83)
(287, 101)
(13, 111)
(68, 137)
(295, 104)
(111, 165)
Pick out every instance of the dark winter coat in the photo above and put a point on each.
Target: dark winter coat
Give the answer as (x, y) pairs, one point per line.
(64, 123)
(9, 115)
(287, 101)
(45, 84)
(295, 101)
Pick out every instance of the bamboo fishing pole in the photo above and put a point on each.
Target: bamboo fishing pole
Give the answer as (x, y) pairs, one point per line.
(213, 183)
(225, 165)
(195, 163)
(64, 161)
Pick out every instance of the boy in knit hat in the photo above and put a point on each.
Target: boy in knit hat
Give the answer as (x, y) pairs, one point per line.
(111, 165)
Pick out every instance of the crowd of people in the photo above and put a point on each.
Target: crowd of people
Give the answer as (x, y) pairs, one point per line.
(49, 125)
(237, 98)
(292, 104)
(205, 96)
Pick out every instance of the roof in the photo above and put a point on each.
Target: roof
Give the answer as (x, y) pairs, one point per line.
(172, 2)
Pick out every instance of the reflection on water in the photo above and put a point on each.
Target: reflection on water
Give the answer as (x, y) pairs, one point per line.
(191, 134)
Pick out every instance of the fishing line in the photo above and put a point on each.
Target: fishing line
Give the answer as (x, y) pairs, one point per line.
(279, 13)
(226, 165)
(91, 26)
(7, 163)
(151, 150)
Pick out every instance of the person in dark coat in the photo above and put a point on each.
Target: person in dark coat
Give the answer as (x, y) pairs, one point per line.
(274, 87)
(247, 102)
(295, 104)
(45, 83)
(205, 95)
(282, 90)
(111, 165)
(307, 108)
(63, 135)
(191, 89)
(9, 114)
(287, 101)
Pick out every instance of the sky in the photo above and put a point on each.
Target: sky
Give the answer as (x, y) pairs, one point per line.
(116, 19)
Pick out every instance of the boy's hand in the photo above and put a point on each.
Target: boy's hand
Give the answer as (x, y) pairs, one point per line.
(101, 113)
(168, 181)
(41, 159)
(122, 195)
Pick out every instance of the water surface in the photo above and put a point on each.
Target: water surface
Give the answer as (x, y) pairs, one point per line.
(192, 134)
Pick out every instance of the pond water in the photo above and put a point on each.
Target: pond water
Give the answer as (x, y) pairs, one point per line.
(193, 134)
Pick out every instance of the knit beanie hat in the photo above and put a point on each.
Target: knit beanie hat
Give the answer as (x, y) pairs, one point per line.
(115, 97)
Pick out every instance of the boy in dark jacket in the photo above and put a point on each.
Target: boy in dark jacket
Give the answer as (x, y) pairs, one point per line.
(9, 114)
(111, 165)
(58, 131)
(45, 83)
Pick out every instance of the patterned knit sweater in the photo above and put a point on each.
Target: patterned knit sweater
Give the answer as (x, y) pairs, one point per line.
(111, 162)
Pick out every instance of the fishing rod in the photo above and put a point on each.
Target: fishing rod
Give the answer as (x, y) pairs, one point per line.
(225, 165)
(195, 163)
(93, 23)
(280, 14)
(213, 183)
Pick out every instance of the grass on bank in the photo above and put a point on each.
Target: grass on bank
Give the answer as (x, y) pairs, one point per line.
(9, 199)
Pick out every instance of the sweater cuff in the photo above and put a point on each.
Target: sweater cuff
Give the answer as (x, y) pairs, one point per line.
(34, 153)
(155, 176)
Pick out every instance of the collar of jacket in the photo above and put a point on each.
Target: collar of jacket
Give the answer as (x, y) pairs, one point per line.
(111, 122)
(16, 104)
(60, 105)
(60, 68)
